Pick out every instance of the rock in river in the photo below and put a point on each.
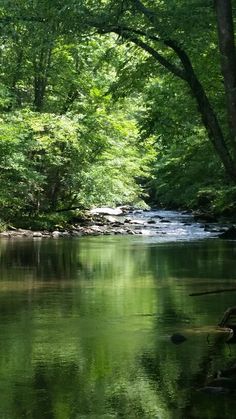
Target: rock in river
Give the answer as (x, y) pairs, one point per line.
(230, 234)
(107, 211)
(177, 338)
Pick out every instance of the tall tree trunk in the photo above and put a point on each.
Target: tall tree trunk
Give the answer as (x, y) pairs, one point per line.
(41, 68)
(17, 73)
(228, 61)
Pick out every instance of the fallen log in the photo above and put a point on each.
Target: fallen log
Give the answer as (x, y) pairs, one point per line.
(217, 291)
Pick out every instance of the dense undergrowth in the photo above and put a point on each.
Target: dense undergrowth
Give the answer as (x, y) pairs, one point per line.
(88, 119)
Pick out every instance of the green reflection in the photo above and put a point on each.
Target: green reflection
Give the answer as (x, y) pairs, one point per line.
(86, 325)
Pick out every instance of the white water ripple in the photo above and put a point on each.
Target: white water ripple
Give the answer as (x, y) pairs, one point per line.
(172, 226)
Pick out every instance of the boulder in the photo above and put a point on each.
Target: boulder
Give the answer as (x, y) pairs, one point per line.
(110, 219)
(137, 222)
(177, 338)
(107, 211)
(75, 233)
(56, 234)
(126, 209)
(204, 217)
(116, 224)
(37, 234)
(229, 234)
(96, 229)
(127, 221)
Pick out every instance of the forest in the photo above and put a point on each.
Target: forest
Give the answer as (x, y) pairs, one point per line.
(117, 209)
(116, 103)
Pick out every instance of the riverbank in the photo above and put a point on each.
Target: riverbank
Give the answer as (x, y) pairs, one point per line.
(163, 224)
(100, 221)
(97, 228)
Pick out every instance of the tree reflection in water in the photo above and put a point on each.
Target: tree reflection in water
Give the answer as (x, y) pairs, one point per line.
(86, 325)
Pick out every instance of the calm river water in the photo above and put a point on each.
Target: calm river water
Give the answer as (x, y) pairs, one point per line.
(85, 328)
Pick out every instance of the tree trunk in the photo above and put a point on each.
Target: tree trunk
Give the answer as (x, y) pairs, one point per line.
(228, 61)
(187, 74)
(208, 115)
(41, 69)
(17, 74)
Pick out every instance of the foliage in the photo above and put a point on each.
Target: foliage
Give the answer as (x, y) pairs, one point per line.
(179, 179)
(51, 162)
(64, 142)
(96, 107)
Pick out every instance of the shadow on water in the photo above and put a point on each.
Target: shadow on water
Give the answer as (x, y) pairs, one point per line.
(44, 259)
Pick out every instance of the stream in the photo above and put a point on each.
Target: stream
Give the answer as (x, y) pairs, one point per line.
(172, 226)
(86, 323)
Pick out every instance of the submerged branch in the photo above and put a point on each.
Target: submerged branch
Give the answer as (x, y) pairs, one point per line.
(218, 291)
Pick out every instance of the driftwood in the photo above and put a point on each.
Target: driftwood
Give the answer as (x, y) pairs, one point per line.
(217, 291)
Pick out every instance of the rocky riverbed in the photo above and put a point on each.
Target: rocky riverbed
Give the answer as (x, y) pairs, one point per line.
(162, 224)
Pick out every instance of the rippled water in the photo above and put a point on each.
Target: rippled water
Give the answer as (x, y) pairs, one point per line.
(172, 226)
(86, 323)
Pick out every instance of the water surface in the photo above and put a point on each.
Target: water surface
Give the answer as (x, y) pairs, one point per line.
(85, 327)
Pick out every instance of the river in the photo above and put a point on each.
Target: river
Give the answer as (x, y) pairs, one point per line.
(86, 325)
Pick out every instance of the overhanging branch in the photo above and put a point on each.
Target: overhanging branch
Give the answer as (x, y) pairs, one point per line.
(128, 34)
(145, 11)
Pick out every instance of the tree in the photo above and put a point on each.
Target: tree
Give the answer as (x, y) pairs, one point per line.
(64, 142)
(148, 28)
(53, 61)
(228, 61)
(158, 32)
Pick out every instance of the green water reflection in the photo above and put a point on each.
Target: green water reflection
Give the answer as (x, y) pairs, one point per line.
(85, 328)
